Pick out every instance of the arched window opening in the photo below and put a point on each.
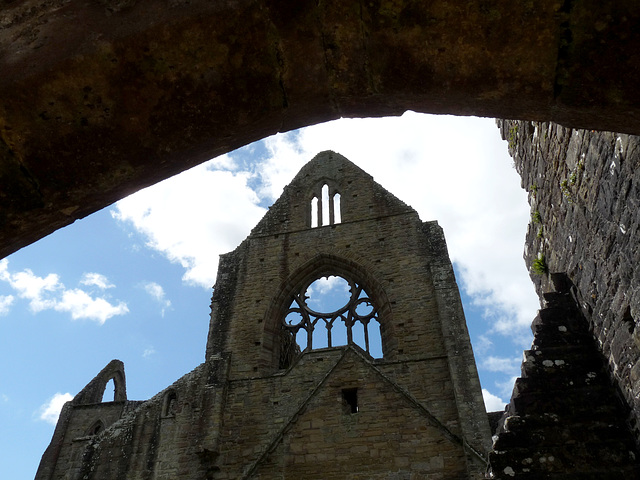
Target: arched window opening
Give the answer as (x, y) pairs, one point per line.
(314, 212)
(339, 334)
(337, 216)
(109, 387)
(325, 209)
(170, 403)
(96, 428)
(326, 213)
(329, 312)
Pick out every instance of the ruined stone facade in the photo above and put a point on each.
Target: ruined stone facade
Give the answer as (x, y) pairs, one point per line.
(260, 406)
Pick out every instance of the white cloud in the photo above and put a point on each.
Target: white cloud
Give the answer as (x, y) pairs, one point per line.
(97, 280)
(4, 398)
(37, 290)
(223, 162)
(194, 217)
(155, 290)
(4, 270)
(502, 365)
(81, 305)
(482, 345)
(506, 387)
(492, 403)
(148, 352)
(157, 293)
(49, 293)
(50, 411)
(5, 303)
(330, 284)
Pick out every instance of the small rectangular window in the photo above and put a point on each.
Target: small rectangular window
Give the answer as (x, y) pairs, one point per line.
(350, 400)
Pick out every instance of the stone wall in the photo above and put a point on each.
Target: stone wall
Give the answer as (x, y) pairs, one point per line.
(565, 418)
(584, 191)
(301, 426)
(409, 274)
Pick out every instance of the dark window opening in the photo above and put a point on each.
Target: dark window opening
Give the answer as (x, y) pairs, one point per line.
(170, 403)
(96, 428)
(350, 400)
(628, 320)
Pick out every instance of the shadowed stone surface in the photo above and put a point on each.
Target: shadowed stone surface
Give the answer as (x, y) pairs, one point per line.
(584, 191)
(565, 419)
(99, 99)
(585, 188)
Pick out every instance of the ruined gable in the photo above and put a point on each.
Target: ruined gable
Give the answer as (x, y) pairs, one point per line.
(283, 398)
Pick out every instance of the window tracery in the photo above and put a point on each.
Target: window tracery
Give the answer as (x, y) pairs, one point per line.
(347, 314)
(325, 207)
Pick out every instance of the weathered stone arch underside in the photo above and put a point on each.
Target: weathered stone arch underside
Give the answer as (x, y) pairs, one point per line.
(99, 99)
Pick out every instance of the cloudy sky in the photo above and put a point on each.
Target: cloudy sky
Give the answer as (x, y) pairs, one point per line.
(134, 281)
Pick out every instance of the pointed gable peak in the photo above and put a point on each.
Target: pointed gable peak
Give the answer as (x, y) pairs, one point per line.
(328, 165)
(328, 190)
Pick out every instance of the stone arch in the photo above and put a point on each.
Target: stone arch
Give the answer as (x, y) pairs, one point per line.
(345, 64)
(94, 390)
(321, 266)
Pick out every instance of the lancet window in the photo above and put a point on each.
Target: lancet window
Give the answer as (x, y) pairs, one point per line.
(109, 387)
(329, 312)
(325, 208)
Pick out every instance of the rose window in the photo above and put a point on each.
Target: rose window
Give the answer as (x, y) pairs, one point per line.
(332, 311)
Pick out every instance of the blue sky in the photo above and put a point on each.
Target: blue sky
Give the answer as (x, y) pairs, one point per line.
(133, 281)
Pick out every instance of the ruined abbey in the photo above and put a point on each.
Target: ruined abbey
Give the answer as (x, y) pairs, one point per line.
(287, 391)
(99, 99)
